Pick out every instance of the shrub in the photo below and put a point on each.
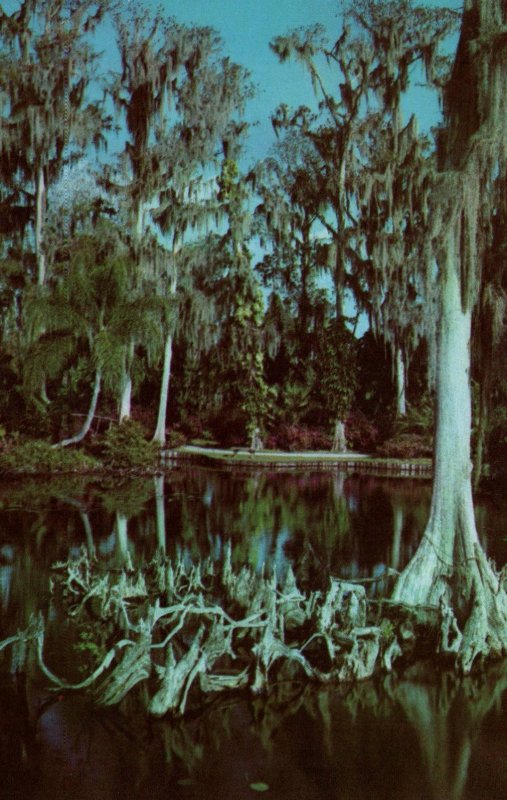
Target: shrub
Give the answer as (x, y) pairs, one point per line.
(418, 419)
(406, 445)
(39, 457)
(298, 437)
(125, 447)
(361, 433)
(175, 438)
(412, 435)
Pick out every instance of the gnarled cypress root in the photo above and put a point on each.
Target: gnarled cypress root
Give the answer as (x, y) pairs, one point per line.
(225, 629)
(134, 667)
(219, 629)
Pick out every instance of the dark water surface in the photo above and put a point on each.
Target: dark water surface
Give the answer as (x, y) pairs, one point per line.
(411, 738)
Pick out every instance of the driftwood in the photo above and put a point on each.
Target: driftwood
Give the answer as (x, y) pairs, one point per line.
(186, 630)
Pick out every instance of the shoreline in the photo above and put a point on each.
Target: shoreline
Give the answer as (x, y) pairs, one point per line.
(349, 462)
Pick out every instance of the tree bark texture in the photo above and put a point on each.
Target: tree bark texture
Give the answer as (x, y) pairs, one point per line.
(450, 569)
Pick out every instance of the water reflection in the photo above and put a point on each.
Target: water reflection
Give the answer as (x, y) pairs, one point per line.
(431, 739)
(411, 739)
(353, 527)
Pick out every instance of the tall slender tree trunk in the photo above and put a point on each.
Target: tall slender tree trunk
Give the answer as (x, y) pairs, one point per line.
(125, 406)
(125, 397)
(40, 207)
(401, 399)
(139, 222)
(339, 282)
(89, 417)
(126, 385)
(40, 256)
(159, 435)
(450, 569)
(339, 444)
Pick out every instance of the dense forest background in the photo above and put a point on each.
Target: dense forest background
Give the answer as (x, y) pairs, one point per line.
(147, 272)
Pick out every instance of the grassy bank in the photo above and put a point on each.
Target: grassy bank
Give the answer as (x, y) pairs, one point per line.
(125, 449)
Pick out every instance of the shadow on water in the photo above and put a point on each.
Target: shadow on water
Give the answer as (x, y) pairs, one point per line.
(415, 737)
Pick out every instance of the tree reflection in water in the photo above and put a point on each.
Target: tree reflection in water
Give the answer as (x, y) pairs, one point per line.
(411, 739)
(447, 717)
(417, 738)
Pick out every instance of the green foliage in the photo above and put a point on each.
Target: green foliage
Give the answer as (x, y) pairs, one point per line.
(411, 435)
(126, 447)
(293, 401)
(418, 420)
(228, 180)
(38, 456)
(336, 371)
(258, 397)
(175, 438)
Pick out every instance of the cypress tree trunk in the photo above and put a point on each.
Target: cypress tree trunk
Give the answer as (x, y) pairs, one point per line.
(126, 387)
(339, 444)
(159, 435)
(339, 281)
(125, 397)
(401, 400)
(40, 203)
(450, 569)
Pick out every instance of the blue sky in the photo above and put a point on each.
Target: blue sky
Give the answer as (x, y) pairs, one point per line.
(247, 26)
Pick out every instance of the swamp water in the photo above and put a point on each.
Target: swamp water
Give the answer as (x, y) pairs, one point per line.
(409, 739)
